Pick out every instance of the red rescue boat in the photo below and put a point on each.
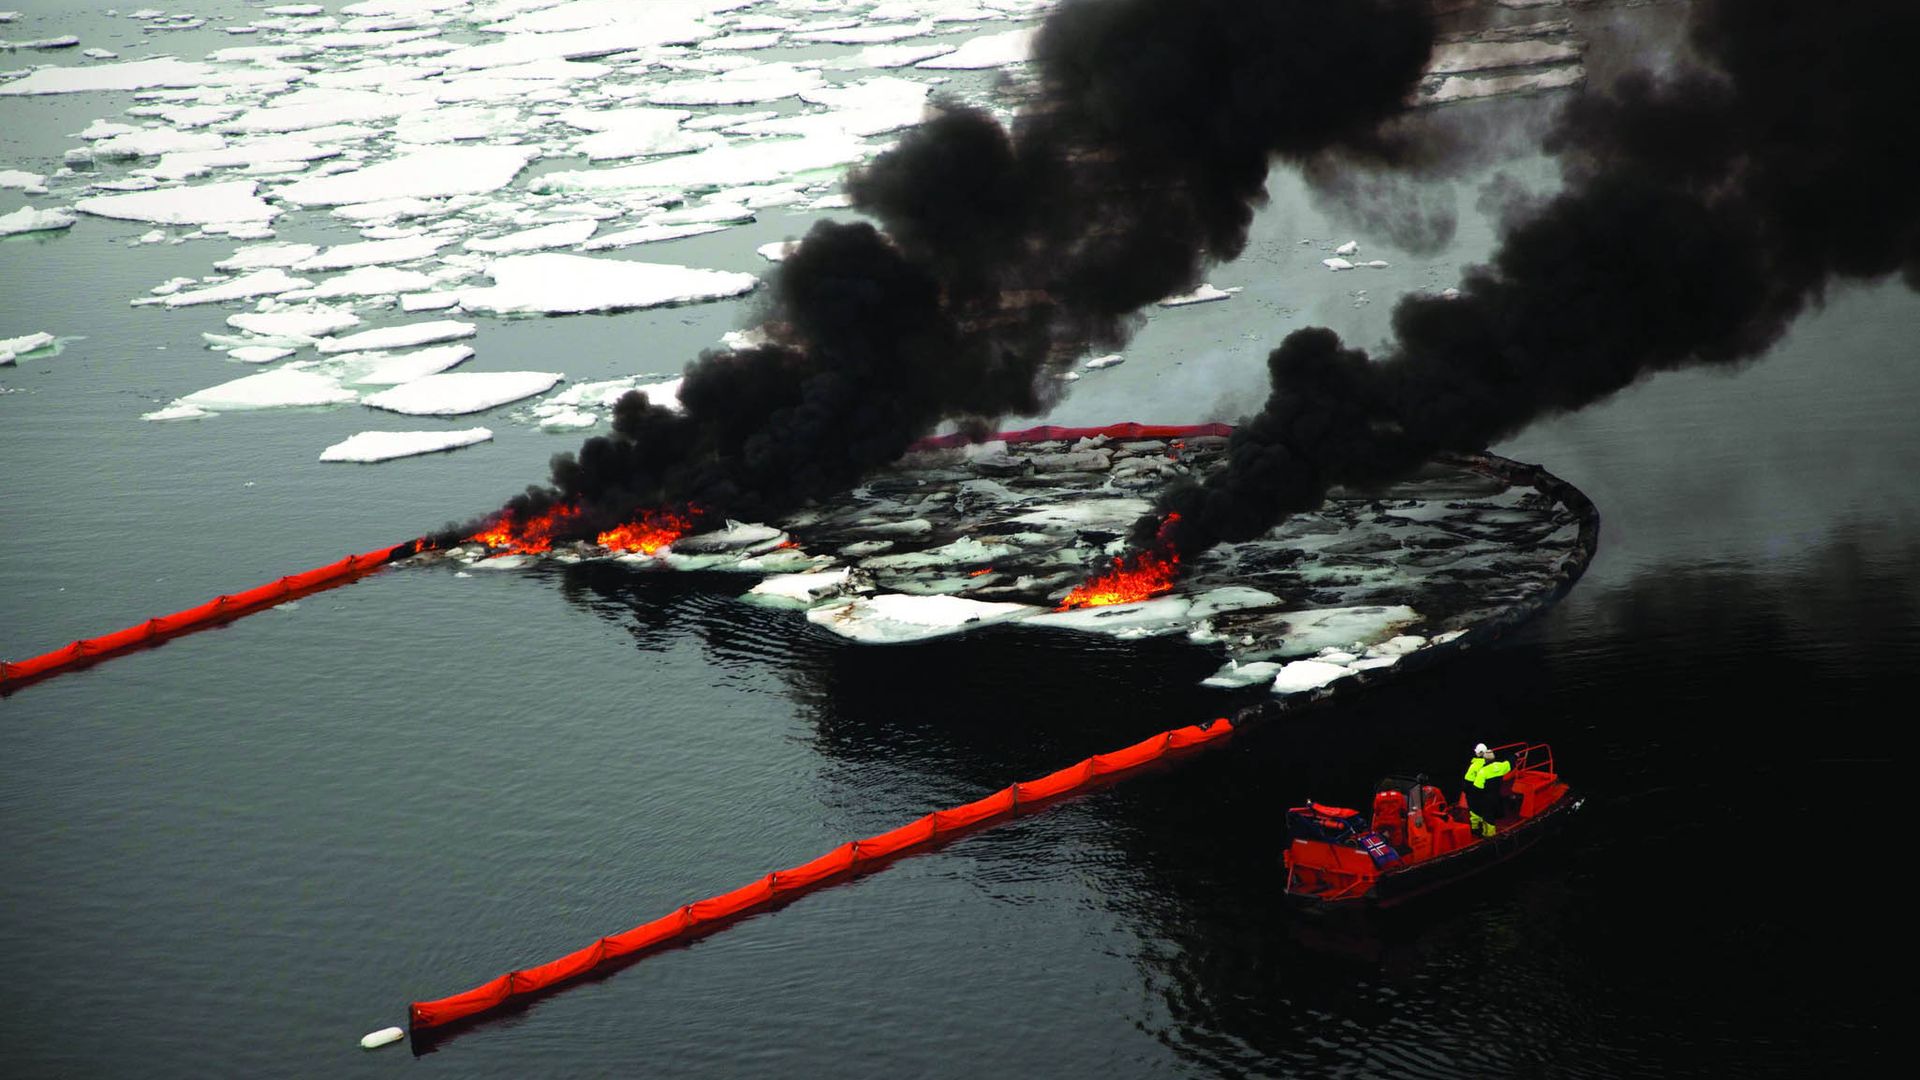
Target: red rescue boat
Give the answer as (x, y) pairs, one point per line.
(1418, 839)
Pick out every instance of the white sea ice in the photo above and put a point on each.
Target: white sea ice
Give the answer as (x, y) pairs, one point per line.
(1336, 264)
(275, 152)
(801, 590)
(893, 618)
(1234, 675)
(1205, 294)
(460, 392)
(987, 51)
(637, 132)
(1310, 631)
(1303, 675)
(396, 369)
(1145, 618)
(1347, 248)
(1230, 598)
(258, 354)
(742, 86)
(553, 283)
(177, 411)
(232, 200)
(436, 171)
(559, 234)
(778, 250)
(399, 337)
(1099, 362)
(271, 389)
(27, 219)
(259, 256)
(723, 166)
(12, 348)
(152, 142)
(142, 75)
(271, 281)
(367, 281)
(373, 253)
(710, 212)
(1467, 87)
(965, 551)
(300, 326)
(887, 56)
(31, 183)
(1484, 55)
(648, 234)
(642, 30)
(371, 446)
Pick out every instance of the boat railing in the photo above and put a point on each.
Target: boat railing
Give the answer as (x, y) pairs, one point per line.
(1527, 756)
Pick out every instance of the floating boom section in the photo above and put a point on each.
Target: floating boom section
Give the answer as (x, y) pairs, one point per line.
(701, 916)
(218, 610)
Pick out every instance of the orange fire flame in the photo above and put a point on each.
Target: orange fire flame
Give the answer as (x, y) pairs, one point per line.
(529, 537)
(655, 530)
(1148, 573)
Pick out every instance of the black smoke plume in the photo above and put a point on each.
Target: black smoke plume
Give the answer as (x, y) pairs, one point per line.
(1005, 253)
(1702, 211)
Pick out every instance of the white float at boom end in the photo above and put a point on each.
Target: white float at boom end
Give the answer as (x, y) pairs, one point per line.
(376, 1039)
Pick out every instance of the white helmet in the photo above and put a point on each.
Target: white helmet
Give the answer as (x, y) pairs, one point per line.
(1479, 748)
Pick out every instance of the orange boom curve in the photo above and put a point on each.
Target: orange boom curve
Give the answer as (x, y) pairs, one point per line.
(212, 613)
(701, 916)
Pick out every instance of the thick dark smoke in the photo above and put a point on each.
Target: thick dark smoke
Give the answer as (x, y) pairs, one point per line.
(1006, 253)
(1702, 212)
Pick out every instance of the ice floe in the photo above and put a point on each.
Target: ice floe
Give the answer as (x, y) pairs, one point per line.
(1205, 294)
(1303, 675)
(372, 446)
(558, 234)
(271, 281)
(721, 166)
(433, 172)
(395, 369)
(988, 51)
(372, 253)
(232, 200)
(400, 337)
(893, 618)
(143, 75)
(27, 220)
(460, 392)
(553, 283)
(300, 326)
(283, 388)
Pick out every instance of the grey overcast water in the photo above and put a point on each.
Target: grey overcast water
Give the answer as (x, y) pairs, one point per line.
(233, 854)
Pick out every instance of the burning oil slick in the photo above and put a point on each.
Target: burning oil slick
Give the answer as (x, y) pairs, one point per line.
(1703, 210)
(1006, 252)
(950, 541)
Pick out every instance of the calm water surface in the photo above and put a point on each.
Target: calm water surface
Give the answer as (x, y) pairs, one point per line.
(233, 854)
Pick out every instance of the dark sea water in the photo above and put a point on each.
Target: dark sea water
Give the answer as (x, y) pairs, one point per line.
(234, 854)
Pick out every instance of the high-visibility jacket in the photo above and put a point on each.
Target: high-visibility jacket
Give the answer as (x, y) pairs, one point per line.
(1480, 800)
(1480, 770)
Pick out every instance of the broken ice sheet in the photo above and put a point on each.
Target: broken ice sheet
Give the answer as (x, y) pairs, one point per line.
(892, 618)
(232, 200)
(372, 446)
(432, 172)
(400, 337)
(554, 284)
(271, 390)
(460, 392)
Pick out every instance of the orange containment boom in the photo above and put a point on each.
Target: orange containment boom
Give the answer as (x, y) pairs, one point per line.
(218, 610)
(701, 916)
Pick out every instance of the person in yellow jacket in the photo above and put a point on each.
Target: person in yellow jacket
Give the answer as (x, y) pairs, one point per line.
(1483, 803)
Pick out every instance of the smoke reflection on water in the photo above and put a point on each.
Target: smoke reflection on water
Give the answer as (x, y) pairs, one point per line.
(1723, 721)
